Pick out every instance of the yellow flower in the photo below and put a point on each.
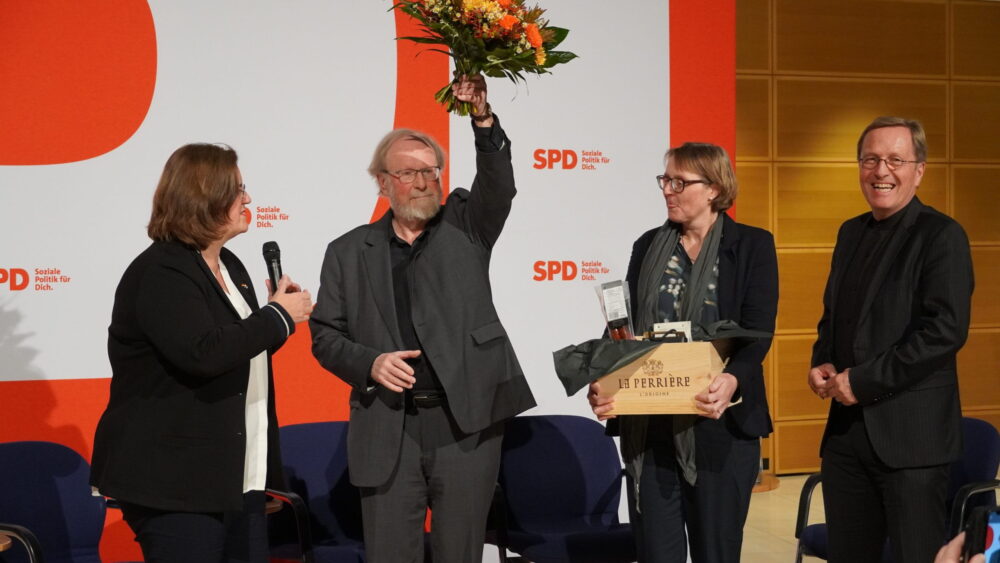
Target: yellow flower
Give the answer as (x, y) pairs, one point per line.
(539, 56)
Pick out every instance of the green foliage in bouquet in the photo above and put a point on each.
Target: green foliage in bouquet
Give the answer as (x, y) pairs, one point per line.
(493, 37)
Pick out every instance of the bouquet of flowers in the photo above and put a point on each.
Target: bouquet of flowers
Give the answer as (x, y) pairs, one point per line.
(493, 37)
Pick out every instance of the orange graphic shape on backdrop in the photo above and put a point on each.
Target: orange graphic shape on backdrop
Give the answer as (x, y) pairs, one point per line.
(419, 74)
(304, 390)
(77, 77)
(703, 97)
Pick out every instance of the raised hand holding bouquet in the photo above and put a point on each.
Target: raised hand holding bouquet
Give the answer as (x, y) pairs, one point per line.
(493, 37)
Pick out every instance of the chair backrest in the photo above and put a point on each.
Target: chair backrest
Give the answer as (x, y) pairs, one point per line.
(45, 488)
(980, 459)
(315, 461)
(559, 469)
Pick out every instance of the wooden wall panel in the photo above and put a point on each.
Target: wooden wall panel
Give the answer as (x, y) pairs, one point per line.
(753, 204)
(813, 200)
(753, 117)
(976, 189)
(802, 279)
(820, 119)
(978, 363)
(796, 446)
(977, 120)
(753, 35)
(793, 397)
(986, 296)
(811, 74)
(976, 50)
(852, 36)
(933, 188)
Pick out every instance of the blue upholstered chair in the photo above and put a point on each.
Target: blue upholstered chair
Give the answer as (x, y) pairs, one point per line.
(322, 521)
(560, 489)
(44, 488)
(970, 479)
(27, 540)
(975, 474)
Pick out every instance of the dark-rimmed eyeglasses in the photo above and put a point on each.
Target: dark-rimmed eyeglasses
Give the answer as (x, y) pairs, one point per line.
(677, 185)
(409, 175)
(892, 163)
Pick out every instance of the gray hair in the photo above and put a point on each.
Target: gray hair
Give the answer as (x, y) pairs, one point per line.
(916, 133)
(382, 149)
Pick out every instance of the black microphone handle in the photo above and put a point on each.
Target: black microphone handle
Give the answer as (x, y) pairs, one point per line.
(274, 272)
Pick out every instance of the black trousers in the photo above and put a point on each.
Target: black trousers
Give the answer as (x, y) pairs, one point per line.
(713, 511)
(194, 537)
(452, 473)
(867, 501)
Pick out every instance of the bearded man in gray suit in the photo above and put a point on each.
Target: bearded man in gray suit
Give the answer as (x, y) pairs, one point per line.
(405, 315)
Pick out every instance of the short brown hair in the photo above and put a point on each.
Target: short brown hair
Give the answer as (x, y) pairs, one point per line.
(197, 188)
(382, 149)
(712, 163)
(916, 133)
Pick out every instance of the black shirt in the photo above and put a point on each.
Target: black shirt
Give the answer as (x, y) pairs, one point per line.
(849, 300)
(858, 276)
(402, 256)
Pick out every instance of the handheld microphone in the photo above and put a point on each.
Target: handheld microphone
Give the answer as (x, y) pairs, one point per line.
(272, 258)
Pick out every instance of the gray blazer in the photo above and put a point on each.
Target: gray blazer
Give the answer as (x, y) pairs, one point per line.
(453, 314)
(913, 321)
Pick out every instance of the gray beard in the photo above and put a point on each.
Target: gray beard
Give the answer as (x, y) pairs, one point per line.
(416, 212)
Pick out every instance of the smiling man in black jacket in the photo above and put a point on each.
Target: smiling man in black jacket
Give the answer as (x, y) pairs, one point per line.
(896, 313)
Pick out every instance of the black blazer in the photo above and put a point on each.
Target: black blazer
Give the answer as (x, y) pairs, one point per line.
(453, 314)
(172, 436)
(913, 321)
(748, 295)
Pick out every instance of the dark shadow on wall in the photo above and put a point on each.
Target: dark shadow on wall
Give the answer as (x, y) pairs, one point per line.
(27, 400)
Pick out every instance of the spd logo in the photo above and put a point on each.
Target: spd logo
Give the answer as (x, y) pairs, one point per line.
(554, 269)
(549, 158)
(16, 278)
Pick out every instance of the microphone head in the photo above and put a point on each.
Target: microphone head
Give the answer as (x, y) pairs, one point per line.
(271, 251)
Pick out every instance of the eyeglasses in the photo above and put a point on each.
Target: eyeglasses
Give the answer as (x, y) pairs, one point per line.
(409, 175)
(242, 188)
(677, 185)
(892, 163)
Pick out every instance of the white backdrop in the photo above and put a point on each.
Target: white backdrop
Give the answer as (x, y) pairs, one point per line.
(303, 91)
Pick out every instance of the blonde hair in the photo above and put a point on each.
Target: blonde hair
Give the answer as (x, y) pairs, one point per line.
(712, 163)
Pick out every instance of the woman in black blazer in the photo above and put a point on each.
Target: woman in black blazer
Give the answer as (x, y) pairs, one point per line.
(703, 267)
(189, 439)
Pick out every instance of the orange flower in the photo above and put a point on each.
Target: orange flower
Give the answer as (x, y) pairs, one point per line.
(534, 36)
(507, 22)
(504, 4)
